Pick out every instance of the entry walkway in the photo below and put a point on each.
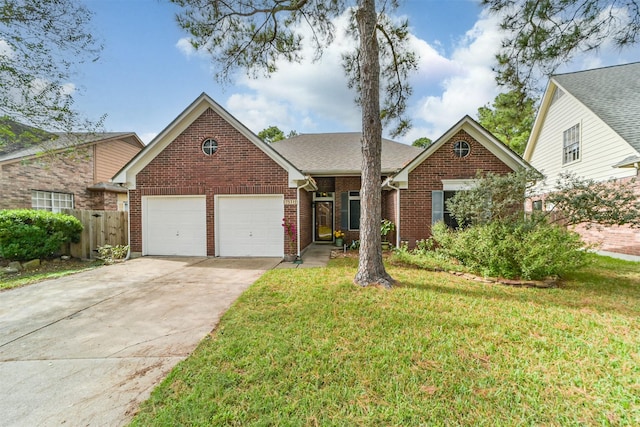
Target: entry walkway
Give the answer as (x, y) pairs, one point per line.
(315, 255)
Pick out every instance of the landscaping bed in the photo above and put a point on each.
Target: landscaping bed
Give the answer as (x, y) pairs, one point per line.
(47, 269)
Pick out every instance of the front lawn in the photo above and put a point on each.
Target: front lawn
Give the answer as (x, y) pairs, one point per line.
(307, 347)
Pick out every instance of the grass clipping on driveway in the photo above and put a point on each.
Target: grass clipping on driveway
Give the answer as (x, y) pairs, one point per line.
(307, 347)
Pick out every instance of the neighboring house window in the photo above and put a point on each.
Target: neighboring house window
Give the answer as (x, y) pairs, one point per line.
(50, 201)
(571, 144)
(209, 146)
(461, 149)
(537, 205)
(557, 94)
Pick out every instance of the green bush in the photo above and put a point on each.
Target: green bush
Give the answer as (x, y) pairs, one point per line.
(519, 249)
(109, 254)
(29, 234)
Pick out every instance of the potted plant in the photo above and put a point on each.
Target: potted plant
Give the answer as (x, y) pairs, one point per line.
(339, 235)
(385, 228)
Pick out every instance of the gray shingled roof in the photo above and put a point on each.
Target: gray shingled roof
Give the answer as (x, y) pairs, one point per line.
(60, 141)
(613, 94)
(340, 153)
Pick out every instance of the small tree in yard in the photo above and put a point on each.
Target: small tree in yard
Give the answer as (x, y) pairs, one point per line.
(494, 197)
(497, 239)
(42, 42)
(595, 203)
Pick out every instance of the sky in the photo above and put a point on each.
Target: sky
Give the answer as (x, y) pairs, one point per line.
(148, 74)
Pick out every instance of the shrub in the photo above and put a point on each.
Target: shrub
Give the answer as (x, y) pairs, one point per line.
(109, 254)
(517, 249)
(29, 234)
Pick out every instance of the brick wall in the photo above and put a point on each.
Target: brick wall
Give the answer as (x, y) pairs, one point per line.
(61, 173)
(306, 219)
(237, 167)
(618, 239)
(344, 184)
(415, 202)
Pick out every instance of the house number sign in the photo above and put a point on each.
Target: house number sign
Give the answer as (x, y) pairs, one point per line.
(290, 202)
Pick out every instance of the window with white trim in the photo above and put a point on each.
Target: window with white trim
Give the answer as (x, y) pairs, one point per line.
(51, 201)
(571, 144)
(354, 210)
(209, 146)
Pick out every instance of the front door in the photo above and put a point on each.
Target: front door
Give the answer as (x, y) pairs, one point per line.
(324, 221)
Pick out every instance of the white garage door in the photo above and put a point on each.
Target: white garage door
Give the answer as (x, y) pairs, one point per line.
(174, 226)
(249, 225)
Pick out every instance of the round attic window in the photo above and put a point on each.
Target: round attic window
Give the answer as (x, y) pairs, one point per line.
(461, 149)
(209, 146)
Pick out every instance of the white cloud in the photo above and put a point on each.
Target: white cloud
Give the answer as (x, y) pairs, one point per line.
(305, 89)
(184, 45)
(147, 137)
(6, 50)
(258, 112)
(313, 96)
(469, 85)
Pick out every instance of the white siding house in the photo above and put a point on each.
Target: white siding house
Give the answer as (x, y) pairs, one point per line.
(589, 124)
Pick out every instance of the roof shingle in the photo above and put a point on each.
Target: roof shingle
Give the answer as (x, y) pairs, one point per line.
(340, 153)
(612, 93)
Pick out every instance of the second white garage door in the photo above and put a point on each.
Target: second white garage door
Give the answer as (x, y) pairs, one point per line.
(249, 225)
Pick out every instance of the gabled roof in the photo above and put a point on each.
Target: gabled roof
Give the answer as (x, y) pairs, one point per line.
(611, 93)
(340, 153)
(62, 141)
(127, 174)
(40, 141)
(480, 134)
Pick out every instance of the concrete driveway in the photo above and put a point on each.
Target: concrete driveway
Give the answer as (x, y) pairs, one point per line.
(88, 348)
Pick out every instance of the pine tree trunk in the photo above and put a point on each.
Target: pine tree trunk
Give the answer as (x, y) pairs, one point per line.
(371, 269)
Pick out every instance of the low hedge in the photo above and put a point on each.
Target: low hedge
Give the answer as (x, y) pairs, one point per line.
(29, 234)
(517, 249)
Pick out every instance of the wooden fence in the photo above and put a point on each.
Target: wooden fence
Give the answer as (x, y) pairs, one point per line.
(99, 228)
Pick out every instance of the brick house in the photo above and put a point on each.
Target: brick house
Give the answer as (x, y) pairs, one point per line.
(66, 171)
(587, 124)
(208, 186)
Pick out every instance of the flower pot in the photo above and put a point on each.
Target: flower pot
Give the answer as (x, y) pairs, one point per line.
(339, 242)
(289, 257)
(385, 246)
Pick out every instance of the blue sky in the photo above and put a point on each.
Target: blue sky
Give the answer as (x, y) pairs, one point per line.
(147, 74)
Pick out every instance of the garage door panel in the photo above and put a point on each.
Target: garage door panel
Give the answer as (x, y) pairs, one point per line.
(175, 226)
(249, 225)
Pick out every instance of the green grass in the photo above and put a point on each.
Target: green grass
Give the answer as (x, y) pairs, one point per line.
(306, 347)
(45, 272)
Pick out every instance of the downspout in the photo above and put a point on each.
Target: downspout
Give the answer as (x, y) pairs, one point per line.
(128, 227)
(298, 217)
(398, 241)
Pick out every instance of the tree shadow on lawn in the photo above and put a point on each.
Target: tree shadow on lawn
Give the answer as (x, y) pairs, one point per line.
(590, 289)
